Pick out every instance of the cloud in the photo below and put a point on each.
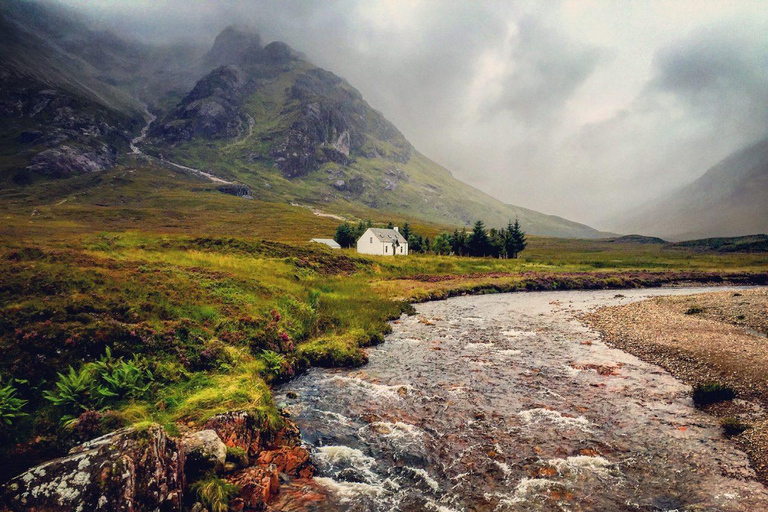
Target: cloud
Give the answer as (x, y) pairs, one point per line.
(578, 108)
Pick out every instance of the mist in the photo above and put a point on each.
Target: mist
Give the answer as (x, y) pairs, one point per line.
(581, 109)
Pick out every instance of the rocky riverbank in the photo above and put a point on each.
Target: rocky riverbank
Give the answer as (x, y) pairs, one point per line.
(707, 338)
(138, 470)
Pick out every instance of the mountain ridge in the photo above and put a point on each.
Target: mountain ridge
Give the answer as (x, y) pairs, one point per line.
(260, 115)
(730, 199)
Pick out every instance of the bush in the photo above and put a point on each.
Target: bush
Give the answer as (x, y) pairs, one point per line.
(694, 310)
(10, 405)
(214, 493)
(712, 392)
(733, 427)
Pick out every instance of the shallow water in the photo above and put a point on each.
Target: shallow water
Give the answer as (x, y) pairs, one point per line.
(496, 403)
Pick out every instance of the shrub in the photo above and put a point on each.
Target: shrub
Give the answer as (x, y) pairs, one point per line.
(273, 363)
(214, 493)
(732, 426)
(694, 310)
(712, 392)
(10, 405)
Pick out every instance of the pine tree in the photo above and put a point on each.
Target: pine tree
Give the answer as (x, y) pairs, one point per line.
(479, 244)
(442, 244)
(390, 225)
(519, 242)
(345, 235)
(406, 231)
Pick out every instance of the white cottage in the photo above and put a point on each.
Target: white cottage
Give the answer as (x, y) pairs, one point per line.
(383, 242)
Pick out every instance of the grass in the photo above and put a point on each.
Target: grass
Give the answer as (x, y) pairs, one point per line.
(216, 313)
(711, 393)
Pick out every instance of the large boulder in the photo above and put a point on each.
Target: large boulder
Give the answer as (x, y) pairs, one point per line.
(125, 471)
(203, 451)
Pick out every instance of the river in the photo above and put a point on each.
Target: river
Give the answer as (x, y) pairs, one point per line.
(507, 402)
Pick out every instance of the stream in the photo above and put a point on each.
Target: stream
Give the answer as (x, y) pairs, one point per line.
(508, 403)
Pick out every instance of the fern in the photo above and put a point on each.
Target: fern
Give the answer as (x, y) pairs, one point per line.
(74, 390)
(99, 384)
(273, 361)
(10, 405)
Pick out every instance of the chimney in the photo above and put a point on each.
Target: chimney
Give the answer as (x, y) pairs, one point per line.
(397, 229)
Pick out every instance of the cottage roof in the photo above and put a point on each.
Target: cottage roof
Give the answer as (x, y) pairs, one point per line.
(327, 241)
(387, 235)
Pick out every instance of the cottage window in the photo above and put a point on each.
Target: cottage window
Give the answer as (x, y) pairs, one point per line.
(401, 250)
(371, 239)
(386, 249)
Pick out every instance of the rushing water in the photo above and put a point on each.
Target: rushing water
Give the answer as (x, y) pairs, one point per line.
(500, 402)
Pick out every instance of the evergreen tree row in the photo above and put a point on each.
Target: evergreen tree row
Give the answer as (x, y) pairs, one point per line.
(506, 242)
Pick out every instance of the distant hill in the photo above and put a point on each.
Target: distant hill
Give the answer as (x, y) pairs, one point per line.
(754, 243)
(636, 239)
(730, 199)
(259, 115)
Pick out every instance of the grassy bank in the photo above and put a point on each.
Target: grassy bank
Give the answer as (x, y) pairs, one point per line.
(101, 329)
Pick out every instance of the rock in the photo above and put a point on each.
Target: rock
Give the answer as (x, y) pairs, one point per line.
(257, 486)
(340, 185)
(293, 461)
(237, 190)
(204, 451)
(125, 471)
(65, 161)
(239, 429)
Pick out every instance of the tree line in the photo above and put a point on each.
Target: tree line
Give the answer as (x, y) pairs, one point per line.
(506, 242)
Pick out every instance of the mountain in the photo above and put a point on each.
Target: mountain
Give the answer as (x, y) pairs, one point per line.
(260, 116)
(730, 199)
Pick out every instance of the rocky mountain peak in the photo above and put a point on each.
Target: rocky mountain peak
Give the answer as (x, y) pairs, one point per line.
(234, 45)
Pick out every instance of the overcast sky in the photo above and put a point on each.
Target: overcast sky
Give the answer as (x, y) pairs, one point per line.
(578, 108)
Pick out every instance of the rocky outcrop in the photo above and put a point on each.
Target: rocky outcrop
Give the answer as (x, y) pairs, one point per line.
(66, 160)
(212, 110)
(203, 451)
(124, 471)
(136, 471)
(240, 429)
(238, 190)
(333, 123)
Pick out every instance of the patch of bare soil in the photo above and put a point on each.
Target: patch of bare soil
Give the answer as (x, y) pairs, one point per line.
(713, 337)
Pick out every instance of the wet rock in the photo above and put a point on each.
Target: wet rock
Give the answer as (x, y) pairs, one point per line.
(204, 451)
(124, 471)
(293, 461)
(257, 486)
(239, 429)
